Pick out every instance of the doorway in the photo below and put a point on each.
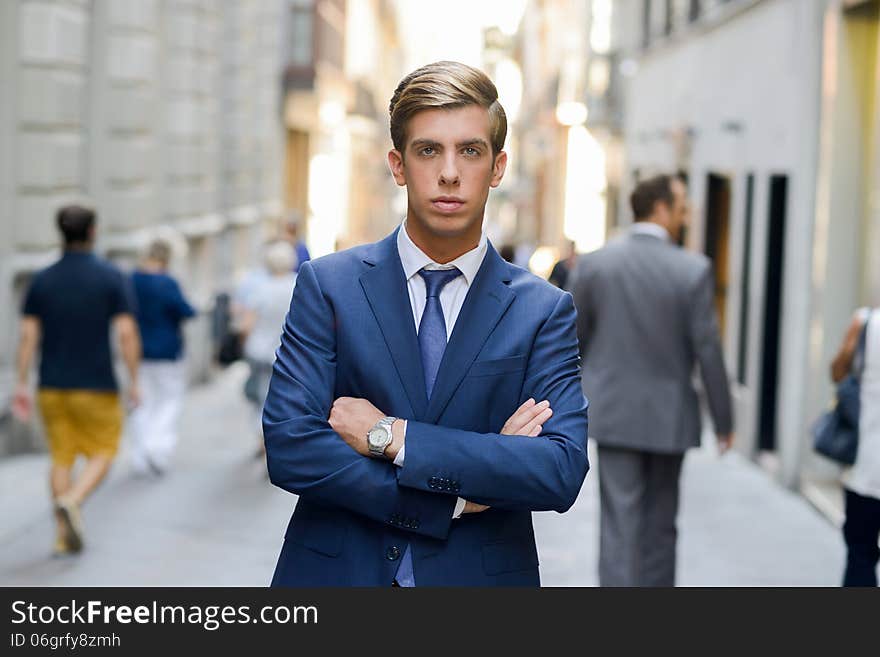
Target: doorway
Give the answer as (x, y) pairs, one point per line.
(745, 286)
(777, 209)
(296, 172)
(718, 240)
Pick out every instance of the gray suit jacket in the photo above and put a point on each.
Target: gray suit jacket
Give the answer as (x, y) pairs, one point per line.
(645, 317)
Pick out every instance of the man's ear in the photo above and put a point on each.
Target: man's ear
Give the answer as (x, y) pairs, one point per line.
(395, 163)
(498, 169)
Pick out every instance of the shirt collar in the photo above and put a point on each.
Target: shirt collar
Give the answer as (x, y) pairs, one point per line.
(652, 229)
(413, 258)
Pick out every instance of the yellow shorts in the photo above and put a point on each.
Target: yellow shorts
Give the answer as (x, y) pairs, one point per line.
(80, 422)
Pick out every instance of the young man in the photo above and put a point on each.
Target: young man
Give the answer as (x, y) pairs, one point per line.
(69, 312)
(426, 396)
(645, 319)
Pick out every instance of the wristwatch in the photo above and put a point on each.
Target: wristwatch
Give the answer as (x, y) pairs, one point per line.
(379, 437)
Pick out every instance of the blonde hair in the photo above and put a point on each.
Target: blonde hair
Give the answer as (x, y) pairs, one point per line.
(159, 250)
(446, 85)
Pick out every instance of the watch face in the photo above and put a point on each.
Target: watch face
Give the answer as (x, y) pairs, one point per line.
(376, 437)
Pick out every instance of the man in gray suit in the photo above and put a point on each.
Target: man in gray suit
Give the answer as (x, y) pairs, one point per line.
(645, 318)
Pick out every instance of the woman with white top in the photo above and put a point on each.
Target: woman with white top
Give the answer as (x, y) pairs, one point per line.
(861, 530)
(265, 308)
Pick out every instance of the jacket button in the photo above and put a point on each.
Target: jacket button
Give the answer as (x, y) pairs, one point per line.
(392, 553)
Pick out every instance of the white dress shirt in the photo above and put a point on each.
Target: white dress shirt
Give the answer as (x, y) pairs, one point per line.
(452, 295)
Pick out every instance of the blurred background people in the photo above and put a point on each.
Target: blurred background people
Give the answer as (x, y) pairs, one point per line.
(508, 252)
(265, 307)
(645, 319)
(161, 310)
(291, 233)
(861, 529)
(561, 270)
(68, 313)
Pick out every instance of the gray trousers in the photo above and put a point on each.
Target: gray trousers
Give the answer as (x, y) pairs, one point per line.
(638, 494)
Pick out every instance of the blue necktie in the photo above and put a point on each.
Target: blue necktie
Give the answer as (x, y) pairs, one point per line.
(432, 344)
(432, 328)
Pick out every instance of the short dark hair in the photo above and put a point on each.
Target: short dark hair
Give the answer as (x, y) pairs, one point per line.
(648, 192)
(75, 223)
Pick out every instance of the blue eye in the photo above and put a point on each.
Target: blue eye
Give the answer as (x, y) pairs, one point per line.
(427, 150)
(470, 150)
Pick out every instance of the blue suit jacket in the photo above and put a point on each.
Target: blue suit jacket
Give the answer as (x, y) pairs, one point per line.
(350, 332)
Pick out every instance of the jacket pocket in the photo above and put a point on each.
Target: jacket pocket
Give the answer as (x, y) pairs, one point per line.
(498, 366)
(317, 530)
(509, 557)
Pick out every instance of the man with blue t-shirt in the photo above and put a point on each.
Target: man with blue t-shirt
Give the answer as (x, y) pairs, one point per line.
(69, 312)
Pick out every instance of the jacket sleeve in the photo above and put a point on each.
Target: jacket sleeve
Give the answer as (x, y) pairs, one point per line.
(706, 343)
(305, 456)
(515, 472)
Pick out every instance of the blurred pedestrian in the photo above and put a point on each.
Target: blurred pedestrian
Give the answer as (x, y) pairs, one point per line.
(69, 311)
(292, 229)
(265, 308)
(508, 252)
(861, 528)
(161, 309)
(645, 318)
(522, 256)
(561, 270)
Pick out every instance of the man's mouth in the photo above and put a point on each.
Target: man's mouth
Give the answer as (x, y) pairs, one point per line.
(447, 203)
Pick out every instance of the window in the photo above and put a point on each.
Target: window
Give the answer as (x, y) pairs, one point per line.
(301, 43)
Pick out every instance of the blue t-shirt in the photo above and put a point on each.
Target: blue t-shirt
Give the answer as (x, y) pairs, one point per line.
(75, 300)
(161, 307)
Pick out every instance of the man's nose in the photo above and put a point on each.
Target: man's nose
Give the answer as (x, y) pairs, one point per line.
(449, 173)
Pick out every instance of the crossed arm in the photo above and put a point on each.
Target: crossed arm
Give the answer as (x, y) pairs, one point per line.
(352, 418)
(308, 456)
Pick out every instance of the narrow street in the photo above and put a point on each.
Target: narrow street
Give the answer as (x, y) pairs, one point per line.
(215, 520)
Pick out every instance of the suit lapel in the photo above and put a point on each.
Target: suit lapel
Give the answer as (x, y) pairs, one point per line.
(484, 305)
(385, 288)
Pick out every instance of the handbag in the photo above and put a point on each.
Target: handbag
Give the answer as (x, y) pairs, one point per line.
(230, 349)
(836, 432)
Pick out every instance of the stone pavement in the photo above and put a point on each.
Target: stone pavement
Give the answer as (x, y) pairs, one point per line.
(215, 520)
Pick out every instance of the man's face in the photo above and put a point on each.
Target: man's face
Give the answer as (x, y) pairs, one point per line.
(447, 167)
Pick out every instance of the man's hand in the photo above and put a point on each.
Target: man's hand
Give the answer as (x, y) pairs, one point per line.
(528, 419)
(725, 442)
(22, 403)
(352, 418)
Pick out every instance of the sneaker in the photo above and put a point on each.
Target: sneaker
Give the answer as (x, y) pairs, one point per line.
(72, 524)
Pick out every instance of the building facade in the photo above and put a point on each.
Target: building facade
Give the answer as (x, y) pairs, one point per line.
(164, 115)
(342, 62)
(769, 108)
(569, 128)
